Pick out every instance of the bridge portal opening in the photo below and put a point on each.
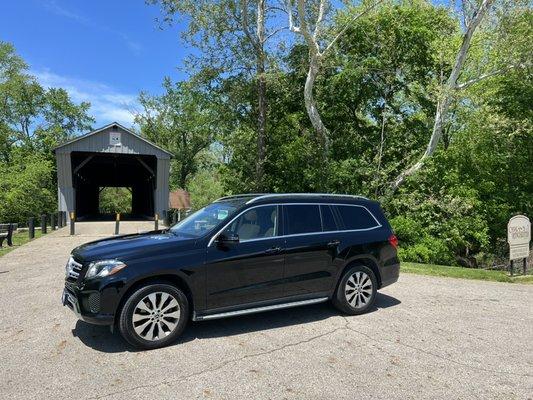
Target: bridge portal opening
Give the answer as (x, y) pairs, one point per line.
(97, 177)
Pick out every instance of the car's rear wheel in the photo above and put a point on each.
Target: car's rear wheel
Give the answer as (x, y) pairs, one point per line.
(154, 316)
(356, 292)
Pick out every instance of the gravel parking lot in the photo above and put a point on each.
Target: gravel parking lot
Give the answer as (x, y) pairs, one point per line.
(427, 338)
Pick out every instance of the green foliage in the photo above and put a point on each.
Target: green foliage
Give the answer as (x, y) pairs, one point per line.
(33, 120)
(204, 188)
(114, 200)
(180, 121)
(25, 188)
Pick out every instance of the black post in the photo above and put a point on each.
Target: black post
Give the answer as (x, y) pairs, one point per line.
(10, 235)
(43, 224)
(31, 228)
(59, 220)
(525, 265)
(174, 215)
(156, 221)
(53, 221)
(512, 265)
(117, 222)
(72, 223)
(64, 216)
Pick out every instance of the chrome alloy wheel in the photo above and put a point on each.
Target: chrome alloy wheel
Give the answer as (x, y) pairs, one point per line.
(358, 289)
(156, 316)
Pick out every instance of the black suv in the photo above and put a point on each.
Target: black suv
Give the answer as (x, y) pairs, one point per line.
(239, 255)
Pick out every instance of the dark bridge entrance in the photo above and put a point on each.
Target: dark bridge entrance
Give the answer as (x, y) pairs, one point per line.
(112, 156)
(94, 171)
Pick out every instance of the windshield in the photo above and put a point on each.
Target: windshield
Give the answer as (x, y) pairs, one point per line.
(204, 220)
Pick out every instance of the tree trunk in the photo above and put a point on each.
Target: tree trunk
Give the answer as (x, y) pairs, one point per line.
(261, 96)
(310, 104)
(381, 146)
(448, 91)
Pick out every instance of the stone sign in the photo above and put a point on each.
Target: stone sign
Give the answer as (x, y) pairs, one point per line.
(518, 237)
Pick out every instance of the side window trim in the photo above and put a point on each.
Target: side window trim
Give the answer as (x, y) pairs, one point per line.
(282, 209)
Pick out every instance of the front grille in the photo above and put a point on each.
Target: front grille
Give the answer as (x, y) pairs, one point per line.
(73, 269)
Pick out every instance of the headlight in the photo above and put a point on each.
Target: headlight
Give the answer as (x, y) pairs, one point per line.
(100, 269)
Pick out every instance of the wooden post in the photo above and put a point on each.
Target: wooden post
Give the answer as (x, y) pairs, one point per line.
(156, 221)
(117, 223)
(31, 228)
(72, 222)
(43, 224)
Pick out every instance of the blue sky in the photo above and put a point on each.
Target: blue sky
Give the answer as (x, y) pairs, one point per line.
(103, 52)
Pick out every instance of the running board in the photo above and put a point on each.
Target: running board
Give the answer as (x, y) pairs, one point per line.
(258, 309)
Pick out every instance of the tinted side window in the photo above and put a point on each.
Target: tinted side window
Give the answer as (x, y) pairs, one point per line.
(303, 219)
(259, 222)
(356, 217)
(328, 221)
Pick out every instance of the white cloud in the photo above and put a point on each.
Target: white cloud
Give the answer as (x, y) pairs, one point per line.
(107, 104)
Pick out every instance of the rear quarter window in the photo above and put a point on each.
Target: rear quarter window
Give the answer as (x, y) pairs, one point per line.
(356, 217)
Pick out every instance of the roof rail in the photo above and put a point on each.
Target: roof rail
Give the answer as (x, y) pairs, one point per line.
(238, 196)
(271, 195)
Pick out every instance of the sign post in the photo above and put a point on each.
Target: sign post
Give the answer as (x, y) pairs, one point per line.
(518, 237)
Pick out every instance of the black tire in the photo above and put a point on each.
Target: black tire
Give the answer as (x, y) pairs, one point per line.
(357, 306)
(154, 321)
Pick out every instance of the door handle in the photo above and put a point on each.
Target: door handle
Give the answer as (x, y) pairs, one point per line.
(334, 243)
(273, 250)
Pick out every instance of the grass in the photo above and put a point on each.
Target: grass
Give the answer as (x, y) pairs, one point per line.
(464, 273)
(19, 239)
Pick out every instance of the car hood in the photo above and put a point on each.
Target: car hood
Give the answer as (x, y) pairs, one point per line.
(127, 247)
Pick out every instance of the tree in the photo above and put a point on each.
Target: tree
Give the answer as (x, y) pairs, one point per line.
(315, 36)
(472, 19)
(32, 117)
(232, 36)
(181, 121)
(33, 120)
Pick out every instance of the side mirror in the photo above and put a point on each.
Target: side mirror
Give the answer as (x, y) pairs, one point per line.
(230, 239)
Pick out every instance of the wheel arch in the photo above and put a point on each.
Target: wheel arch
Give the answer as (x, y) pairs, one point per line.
(174, 280)
(366, 260)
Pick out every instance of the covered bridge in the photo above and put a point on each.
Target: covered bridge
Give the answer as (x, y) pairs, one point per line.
(112, 156)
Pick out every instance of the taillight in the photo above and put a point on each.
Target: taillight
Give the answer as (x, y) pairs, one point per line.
(393, 240)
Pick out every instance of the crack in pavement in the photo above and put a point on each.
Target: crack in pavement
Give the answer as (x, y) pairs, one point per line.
(221, 365)
(451, 360)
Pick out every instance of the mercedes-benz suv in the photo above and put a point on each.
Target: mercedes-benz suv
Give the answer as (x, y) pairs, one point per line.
(239, 255)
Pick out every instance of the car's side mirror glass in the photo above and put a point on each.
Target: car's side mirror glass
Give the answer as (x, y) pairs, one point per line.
(228, 239)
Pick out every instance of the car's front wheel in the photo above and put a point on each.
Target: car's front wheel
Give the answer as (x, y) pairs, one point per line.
(154, 316)
(357, 290)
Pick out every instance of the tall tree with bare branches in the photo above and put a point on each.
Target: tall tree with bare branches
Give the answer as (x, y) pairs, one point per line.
(308, 20)
(472, 17)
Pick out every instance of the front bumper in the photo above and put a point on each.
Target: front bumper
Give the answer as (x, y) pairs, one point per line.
(80, 303)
